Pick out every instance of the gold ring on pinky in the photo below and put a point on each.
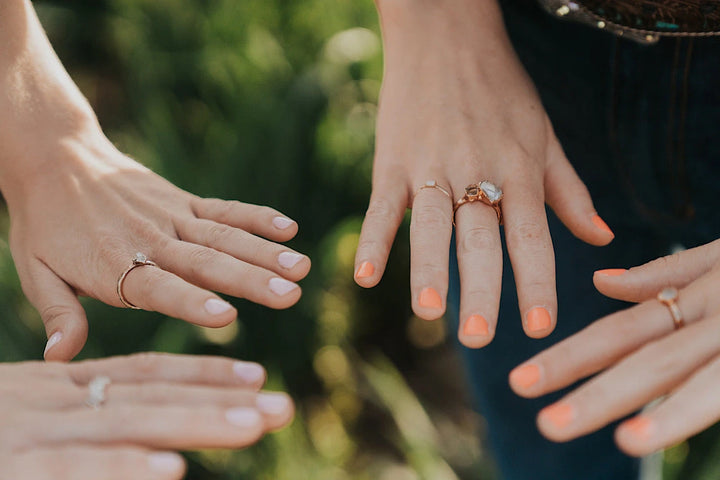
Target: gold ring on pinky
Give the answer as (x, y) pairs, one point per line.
(433, 184)
(139, 260)
(668, 297)
(485, 192)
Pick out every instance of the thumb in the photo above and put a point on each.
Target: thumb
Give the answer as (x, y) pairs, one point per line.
(64, 318)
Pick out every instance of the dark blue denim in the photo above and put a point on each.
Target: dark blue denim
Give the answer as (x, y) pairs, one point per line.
(640, 124)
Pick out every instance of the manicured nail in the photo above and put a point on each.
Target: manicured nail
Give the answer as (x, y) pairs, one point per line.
(165, 462)
(52, 341)
(366, 269)
(243, 417)
(559, 414)
(430, 298)
(611, 272)
(280, 286)
(600, 223)
(215, 306)
(289, 259)
(525, 376)
(282, 222)
(475, 326)
(538, 319)
(640, 427)
(272, 403)
(251, 373)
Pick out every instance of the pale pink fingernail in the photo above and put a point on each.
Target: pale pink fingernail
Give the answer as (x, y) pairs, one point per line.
(251, 373)
(52, 341)
(272, 403)
(215, 307)
(282, 222)
(165, 462)
(289, 259)
(243, 417)
(280, 286)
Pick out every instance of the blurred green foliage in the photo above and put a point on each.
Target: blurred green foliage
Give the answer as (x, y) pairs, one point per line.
(273, 102)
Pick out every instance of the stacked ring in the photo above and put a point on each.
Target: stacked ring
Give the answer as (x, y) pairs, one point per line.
(485, 192)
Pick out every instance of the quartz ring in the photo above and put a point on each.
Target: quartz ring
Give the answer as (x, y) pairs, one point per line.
(485, 192)
(668, 297)
(96, 391)
(433, 184)
(139, 260)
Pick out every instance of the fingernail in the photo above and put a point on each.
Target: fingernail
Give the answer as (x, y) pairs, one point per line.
(600, 223)
(366, 269)
(475, 325)
(243, 417)
(525, 376)
(272, 403)
(559, 414)
(165, 462)
(52, 341)
(611, 272)
(289, 259)
(430, 298)
(640, 427)
(538, 319)
(282, 222)
(215, 307)
(251, 373)
(280, 286)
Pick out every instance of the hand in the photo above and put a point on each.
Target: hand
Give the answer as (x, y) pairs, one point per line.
(457, 108)
(154, 403)
(642, 356)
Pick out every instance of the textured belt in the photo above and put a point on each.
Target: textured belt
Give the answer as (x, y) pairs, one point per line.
(643, 20)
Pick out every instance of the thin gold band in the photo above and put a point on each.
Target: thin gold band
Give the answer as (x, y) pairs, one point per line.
(139, 260)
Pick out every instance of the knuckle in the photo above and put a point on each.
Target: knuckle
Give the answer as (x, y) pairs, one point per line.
(56, 313)
(146, 363)
(431, 217)
(374, 246)
(200, 259)
(529, 232)
(218, 234)
(479, 238)
(381, 209)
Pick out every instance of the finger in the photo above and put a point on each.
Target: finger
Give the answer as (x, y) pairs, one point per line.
(605, 342)
(383, 217)
(570, 199)
(531, 254)
(645, 281)
(245, 247)
(430, 234)
(64, 318)
(643, 376)
(91, 462)
(480, 261)
(163, 367)
(153, 289)
(223, 273)
(693, 407)
(260, 220)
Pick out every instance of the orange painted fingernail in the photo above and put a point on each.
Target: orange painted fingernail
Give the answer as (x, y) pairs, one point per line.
(538, 318)
(366, 269)
(525, 376)
(640, 426)
(559, 414)
(600, 223)
(611, 272)
(430, 298)
(475, 325)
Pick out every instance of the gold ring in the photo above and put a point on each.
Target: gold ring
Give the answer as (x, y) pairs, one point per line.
(486, 192)
(139, 260)
(433, 184)
(668, 297)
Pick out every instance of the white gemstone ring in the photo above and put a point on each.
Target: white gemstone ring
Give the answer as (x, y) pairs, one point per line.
(96, 392)
(433, 184)
(668, 297)
(139, 260)
(485, 192)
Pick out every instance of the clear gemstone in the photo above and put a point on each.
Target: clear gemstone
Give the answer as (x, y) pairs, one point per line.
(668, 294)
(140, 257)
(493, 193)
(430, 183)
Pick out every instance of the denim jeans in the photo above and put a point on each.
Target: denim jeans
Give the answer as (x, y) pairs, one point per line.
(640, 125)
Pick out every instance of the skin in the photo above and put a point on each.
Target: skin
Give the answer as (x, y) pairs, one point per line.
(457, 107)
(640, 357)
(156, 404)
(80, 210)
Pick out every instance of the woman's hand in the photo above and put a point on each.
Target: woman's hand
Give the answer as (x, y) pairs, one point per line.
(642, 356)
(458, 108)
(154, 403)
